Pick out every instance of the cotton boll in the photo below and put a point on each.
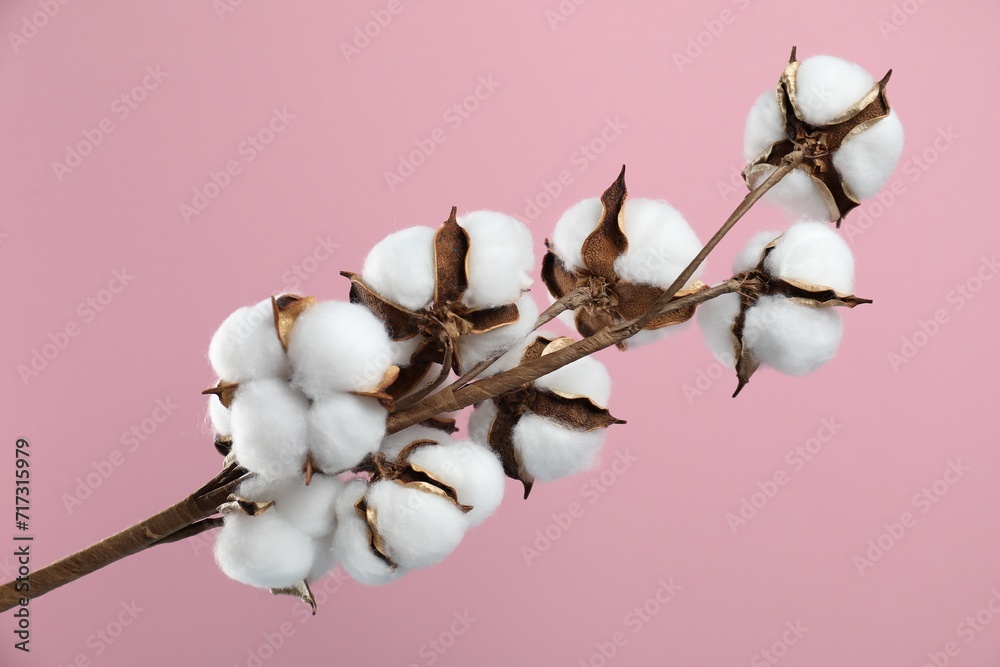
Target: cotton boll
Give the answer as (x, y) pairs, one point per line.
(324, 561)
(573, 228)
(246, 346)
(584, 377)
(337, 347)
(715, 317)
(473, 348)
(264, 551)
(352, 541)
(827, 86)
(813, 252)
(750, 256)
(790, 337)
(764, 126)
(480, 421)
(472, 470)
(501, 258)
(220, 416)
(418, 528)
(393, 444)
(648, 336)
(866, 160)
(269, 428)
(343, 429)
(310, 508)
(401, 267)
(660, 243)
(796, 193)
(549, 451)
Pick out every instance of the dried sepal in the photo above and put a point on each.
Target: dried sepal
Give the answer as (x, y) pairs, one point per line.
(300, 591)
(286, 310)
(402, 324)
(225, 391)
(224, 444)
(451, 252)
(607, 242)
(444, 424)
(381, 390)
(238, 504)
(370, 516)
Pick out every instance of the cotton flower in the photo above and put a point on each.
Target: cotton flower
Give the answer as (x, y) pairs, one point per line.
(473, 471)
(269, 428)
(352, 541)
(264, 550)
(343, 429)
(246, 346)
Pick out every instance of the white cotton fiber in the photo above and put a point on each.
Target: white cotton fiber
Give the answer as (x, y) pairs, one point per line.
(401, 267)
(480, 421)
(264, 550)
(815, 253)
(393, 444)
(418, 528)
(473, 348)
(343, 429)
(337, 346)
(573, 228)
(715, 318)
(826, 86)
(764, 126)
(797, 193)
(324, 561)
(220, 416)
(269, 428)
(352, 541)
(865, 161)
(472, 470)
(749, 257)
(501, 259)
(584, 377)
(660, 243)
(549, 451)
(310, 508)
(246, 345)
(790, 337)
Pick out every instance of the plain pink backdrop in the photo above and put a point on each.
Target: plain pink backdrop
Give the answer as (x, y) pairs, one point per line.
(555, 86)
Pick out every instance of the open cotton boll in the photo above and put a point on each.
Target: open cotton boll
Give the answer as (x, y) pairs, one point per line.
(764, 126)
(324, 561)
(715, 317)
(813, 252)
(336, 346)
(269, 428)
(472, 470)
(401, 267)
(750, 256)
(584, 377)
(393, 444)
(246, 345)
(573, 228)
(473, 348)
(826, 86)
(660, 243)
(264, 550)
(790, 337)
(865, 161)
(797, 194)
(480, 421)
(343, 429)
(549, 451)
(418, 528)
(352, 541)
(310, 508)
(501, 258)
(220, 416)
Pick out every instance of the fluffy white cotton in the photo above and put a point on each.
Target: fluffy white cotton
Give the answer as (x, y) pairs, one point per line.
(310, 508)
(393, 444)
(473, 471)
(715, 317)
(324, 561)
(418, 528)
(660, 243)
(343, 429)
(480, 421)
(337, 346)
(764, 126)
(501, 259)
(790, 337)
(352, 541)
(473, 348)
(815, 253)
(264, 551)
(220, 416)
(269, 428)
(401, 267)
(573, 228)
(549, 451)
(750, 256)
(827, 86)
(865, 161)
(246, 345)
(797, 193)
(584, 377)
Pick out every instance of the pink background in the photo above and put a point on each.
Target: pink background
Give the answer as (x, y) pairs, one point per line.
(698, 455)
